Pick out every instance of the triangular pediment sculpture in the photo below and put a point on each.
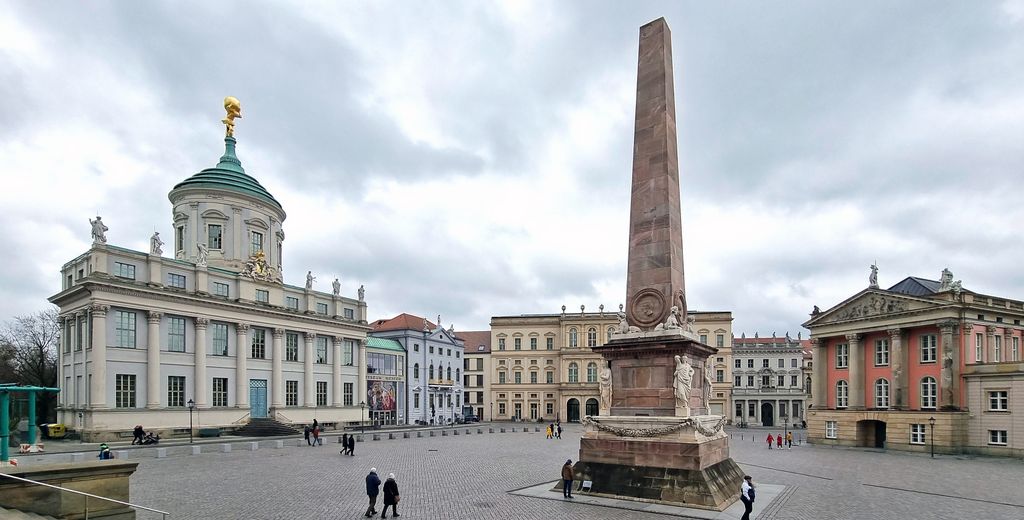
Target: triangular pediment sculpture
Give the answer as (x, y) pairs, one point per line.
(873, 302)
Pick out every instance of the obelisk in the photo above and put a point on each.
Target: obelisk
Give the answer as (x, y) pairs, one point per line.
(654, 280)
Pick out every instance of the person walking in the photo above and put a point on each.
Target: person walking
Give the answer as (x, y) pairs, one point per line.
(548, 431)
(316, 434)
(138, 434)
(567, 477)
(390, 496)
(305, 434)
(778, 441)
(344, 444)
(352, 445)
(771, 440)
(789, 440)
(558, 431)
(747, 496)
(372, 490)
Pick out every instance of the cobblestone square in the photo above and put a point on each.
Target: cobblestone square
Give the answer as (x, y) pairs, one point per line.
(470, 476)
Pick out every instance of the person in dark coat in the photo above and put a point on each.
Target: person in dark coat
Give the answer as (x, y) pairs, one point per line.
(352, 445)
(372, 490)
(305, 434)
(138, 434)
(390, 496)
(567, 478)
(344, 444)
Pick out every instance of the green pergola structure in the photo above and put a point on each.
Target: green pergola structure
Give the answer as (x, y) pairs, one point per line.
(6, 389)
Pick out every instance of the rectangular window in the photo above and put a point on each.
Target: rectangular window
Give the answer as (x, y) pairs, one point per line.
(519, 343)
(321, 350)
(348, 395)
(176, 335)
(321, 393)
(720, 340)
(549, 408)
(347, 350)
(321, 308)
(842, 394)
(291, 302)
(501, 408)
(792, 381)
(766, 381)
(79, 332)
(550, 377)
(501, 378)
(415, 347)
(737, 363)
(764, 363)
(881, 352)
(997, 437)
(125, 391)
(750, 363)
(843, 355)
(501, 343)
(291, 346)
(176, 281)
(262, 295)
(751, 409)
(122, 270)
(179, 238)
(979, 347)
(998, 401)
(738, 381)
(782, 381)
(750, 380)
(219, 331)
(415, 400)
(739, 409)
(259, 344)
(917, 435)
(720, 376)
(831, 429)
(291, 393)
(519, 377)
(1015, 350)
(704, 339)
(214, 233)
(176, 391)
(350, 314)
(220, 391)
(997, 349)
(782, 363)
(533, 343)
(124, 329)
(431, 349)
(533, 377)
(551, 343)
(221, 289)
(928, 352)
(793, 363)
(256, 244)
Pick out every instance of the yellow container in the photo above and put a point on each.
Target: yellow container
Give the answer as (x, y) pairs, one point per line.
(57, 431)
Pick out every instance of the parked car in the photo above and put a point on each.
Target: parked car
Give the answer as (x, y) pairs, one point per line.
(470, 419)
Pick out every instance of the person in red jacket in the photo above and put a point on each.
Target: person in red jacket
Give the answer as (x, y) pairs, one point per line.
(778, 441)
(770, 441)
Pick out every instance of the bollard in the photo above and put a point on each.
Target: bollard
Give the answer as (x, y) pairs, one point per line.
(502, 430)
(277, 444)
(419, 434)
(444, 433)
(490, 430)
(536, 429)
(467, 431)
(513, 429)
(121, 454)
(161, 453)
(455, 432)
(432, 433)
(77, 457)
(391, 436)
(376, 436)
(359, 438)
(225, 448)
(196, 450)
(479, 430)
(405, 435)
(253, 446)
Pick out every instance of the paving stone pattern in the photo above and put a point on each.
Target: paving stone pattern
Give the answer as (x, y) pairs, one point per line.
(469, 476)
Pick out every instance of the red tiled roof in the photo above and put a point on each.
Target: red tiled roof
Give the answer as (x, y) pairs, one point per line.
(401, 322)
(474, 339)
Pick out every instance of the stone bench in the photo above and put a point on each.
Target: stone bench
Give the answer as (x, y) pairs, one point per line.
(196, 450)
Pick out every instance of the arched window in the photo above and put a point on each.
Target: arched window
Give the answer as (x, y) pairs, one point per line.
(574, 338)
(574, 372)
(591, 337)
(416, 371)
(929, 392)
(592, 372)
(842, 394)
(611, 330)
(449, 374)
(431, 371)
(882, 393)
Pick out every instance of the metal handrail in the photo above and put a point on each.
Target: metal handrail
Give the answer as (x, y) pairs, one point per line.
(163, 513)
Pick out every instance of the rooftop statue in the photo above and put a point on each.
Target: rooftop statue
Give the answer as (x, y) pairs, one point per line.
(234, 109)
(99, 230)
(155, 244)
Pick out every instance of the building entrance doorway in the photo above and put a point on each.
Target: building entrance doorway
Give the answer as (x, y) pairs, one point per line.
(871, 434)
(767, 414)
(592, 406)
(573, 410)
(383, 417)
(257, 398)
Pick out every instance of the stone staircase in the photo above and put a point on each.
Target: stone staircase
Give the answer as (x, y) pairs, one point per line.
(14, 514)
(265, 427)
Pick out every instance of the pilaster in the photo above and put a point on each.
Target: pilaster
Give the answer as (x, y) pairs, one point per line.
(309, 397)
(856, 372)
(277, 388)
(819, 390)
(241, 367)
(898, 363)
(153, 361)
(336, 380)
(200, 364)
(98, 384)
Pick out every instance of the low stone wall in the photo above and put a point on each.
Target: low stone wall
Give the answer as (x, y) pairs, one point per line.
(108, 479)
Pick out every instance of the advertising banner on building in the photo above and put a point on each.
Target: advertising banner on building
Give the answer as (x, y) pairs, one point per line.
(381, 396)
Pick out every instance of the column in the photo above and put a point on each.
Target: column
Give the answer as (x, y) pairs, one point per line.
(336, 380)
(277, 388)
(950, 366)
(192, 246)
(856, 372)
(968, 342)
(1007, 353)
(361, 384)
(199, 379)
(990, 334)
(153, 361)
(310, 394)
(241, 369)
(819, 373)
(98, 386)
(897, 363)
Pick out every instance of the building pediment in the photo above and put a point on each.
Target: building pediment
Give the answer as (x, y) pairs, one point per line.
(872, 303)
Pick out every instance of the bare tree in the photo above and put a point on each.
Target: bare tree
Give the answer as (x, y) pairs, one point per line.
(29, 343)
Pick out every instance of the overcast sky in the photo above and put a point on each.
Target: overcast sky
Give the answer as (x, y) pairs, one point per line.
(473, 159)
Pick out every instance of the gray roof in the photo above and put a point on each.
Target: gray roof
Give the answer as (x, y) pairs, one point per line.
(914, 286)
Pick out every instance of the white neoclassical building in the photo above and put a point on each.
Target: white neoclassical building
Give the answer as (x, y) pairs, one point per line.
(768, 387)
(211, 322)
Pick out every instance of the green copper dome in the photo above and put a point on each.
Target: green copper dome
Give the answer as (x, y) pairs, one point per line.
(228, 175)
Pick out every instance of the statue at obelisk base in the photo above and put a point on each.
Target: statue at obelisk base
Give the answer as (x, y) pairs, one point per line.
(647, 444)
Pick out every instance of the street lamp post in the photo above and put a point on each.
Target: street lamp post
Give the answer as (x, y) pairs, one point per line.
(191, 406)
(931, 422)
(492, 411)
(785, 426)
(362, 414)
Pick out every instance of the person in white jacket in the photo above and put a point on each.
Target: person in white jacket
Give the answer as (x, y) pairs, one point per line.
(747, 497)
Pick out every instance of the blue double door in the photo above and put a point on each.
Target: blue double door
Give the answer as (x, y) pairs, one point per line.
(257, 398)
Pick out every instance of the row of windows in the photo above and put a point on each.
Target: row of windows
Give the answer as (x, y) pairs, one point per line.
(574, 374)
(479, 364)
(927, 351)
(766, 381)
(215, 238)
(441, 352)
(518, 343)
(440, 401)
(929, 393)
(997, 349)
(719, 340)
(918, 434)
(793, 363)
(125, 392)
(440, 372)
